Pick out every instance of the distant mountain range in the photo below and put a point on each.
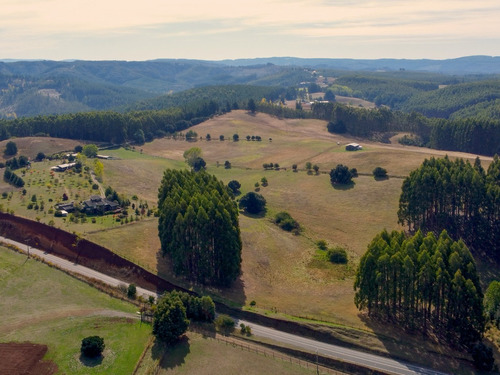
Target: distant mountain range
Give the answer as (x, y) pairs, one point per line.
(30, 87)
(462, 65)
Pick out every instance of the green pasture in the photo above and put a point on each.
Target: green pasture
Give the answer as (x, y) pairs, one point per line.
(46, 306)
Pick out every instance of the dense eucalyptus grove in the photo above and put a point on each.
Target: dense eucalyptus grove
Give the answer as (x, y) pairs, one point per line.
(457, 196)
(422, 282)
(198, 227)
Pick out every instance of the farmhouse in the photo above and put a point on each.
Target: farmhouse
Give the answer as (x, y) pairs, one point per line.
(353, 147)
(99, 205)
(63, 167)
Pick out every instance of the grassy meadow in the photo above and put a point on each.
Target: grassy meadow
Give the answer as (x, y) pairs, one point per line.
(196, 354)
(283, 273)
(45, 306)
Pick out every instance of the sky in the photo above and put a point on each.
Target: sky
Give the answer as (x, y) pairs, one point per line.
(230, 29)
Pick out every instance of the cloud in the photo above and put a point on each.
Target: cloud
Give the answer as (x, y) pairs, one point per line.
(64, 26)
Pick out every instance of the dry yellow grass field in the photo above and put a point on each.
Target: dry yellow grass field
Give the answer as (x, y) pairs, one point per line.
(280, 270)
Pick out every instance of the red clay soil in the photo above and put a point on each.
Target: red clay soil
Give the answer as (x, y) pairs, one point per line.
(24, 359)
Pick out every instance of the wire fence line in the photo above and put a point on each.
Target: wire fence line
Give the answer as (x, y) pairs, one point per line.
(269, 353)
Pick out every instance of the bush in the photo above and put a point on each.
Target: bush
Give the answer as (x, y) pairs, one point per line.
(285, 221)
(337, 255)
(225, 324)
(95, 187)
(131, 291)
(322, 245)
(92, 346)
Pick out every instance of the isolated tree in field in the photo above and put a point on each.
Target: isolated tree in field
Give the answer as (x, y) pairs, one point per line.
(248, 137)
(263, 181)
(236, 137)
(221, 137)
(252, 107)
(208, 137)
(10, 148)
(294, 167)
(234, 186)
(40, 156)
(379, 173)
(253, 203)
(191, 155)
(92, 346)
(316, 168)
(198, 227)
(227, 164)
(309, 167)
(170, 320)
(90, 150)
(340, 175)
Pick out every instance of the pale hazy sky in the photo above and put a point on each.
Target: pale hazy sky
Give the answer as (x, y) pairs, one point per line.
(220, 29)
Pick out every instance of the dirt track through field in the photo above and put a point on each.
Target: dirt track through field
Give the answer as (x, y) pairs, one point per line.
(41, 317)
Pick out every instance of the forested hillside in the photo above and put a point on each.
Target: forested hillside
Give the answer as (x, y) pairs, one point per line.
(31, 96)
(457, 101)
(228, 95)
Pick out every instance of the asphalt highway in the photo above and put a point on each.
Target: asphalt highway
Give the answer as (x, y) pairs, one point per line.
(387, 365)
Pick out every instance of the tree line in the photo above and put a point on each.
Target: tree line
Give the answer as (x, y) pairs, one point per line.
(424, 283)
(198, 227)
(477, 136)
(457, 196)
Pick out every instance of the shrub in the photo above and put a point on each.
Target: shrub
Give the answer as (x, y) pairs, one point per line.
(337, 255)
(322, 245)
(92, 346)
(95, 187)
(131, 291)
(285, 221)
(225, 324)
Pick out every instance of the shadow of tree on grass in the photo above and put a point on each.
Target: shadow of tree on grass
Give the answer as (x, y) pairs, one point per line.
(173, 355)
(91, 361)
(348, 186)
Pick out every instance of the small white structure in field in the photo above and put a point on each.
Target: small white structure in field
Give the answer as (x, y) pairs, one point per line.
(353, 147)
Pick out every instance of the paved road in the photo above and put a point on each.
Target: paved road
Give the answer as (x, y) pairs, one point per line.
(387, 365)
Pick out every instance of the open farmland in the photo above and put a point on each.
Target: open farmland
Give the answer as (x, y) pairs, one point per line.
(45, 306)
(281, 271)
(197, 354)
